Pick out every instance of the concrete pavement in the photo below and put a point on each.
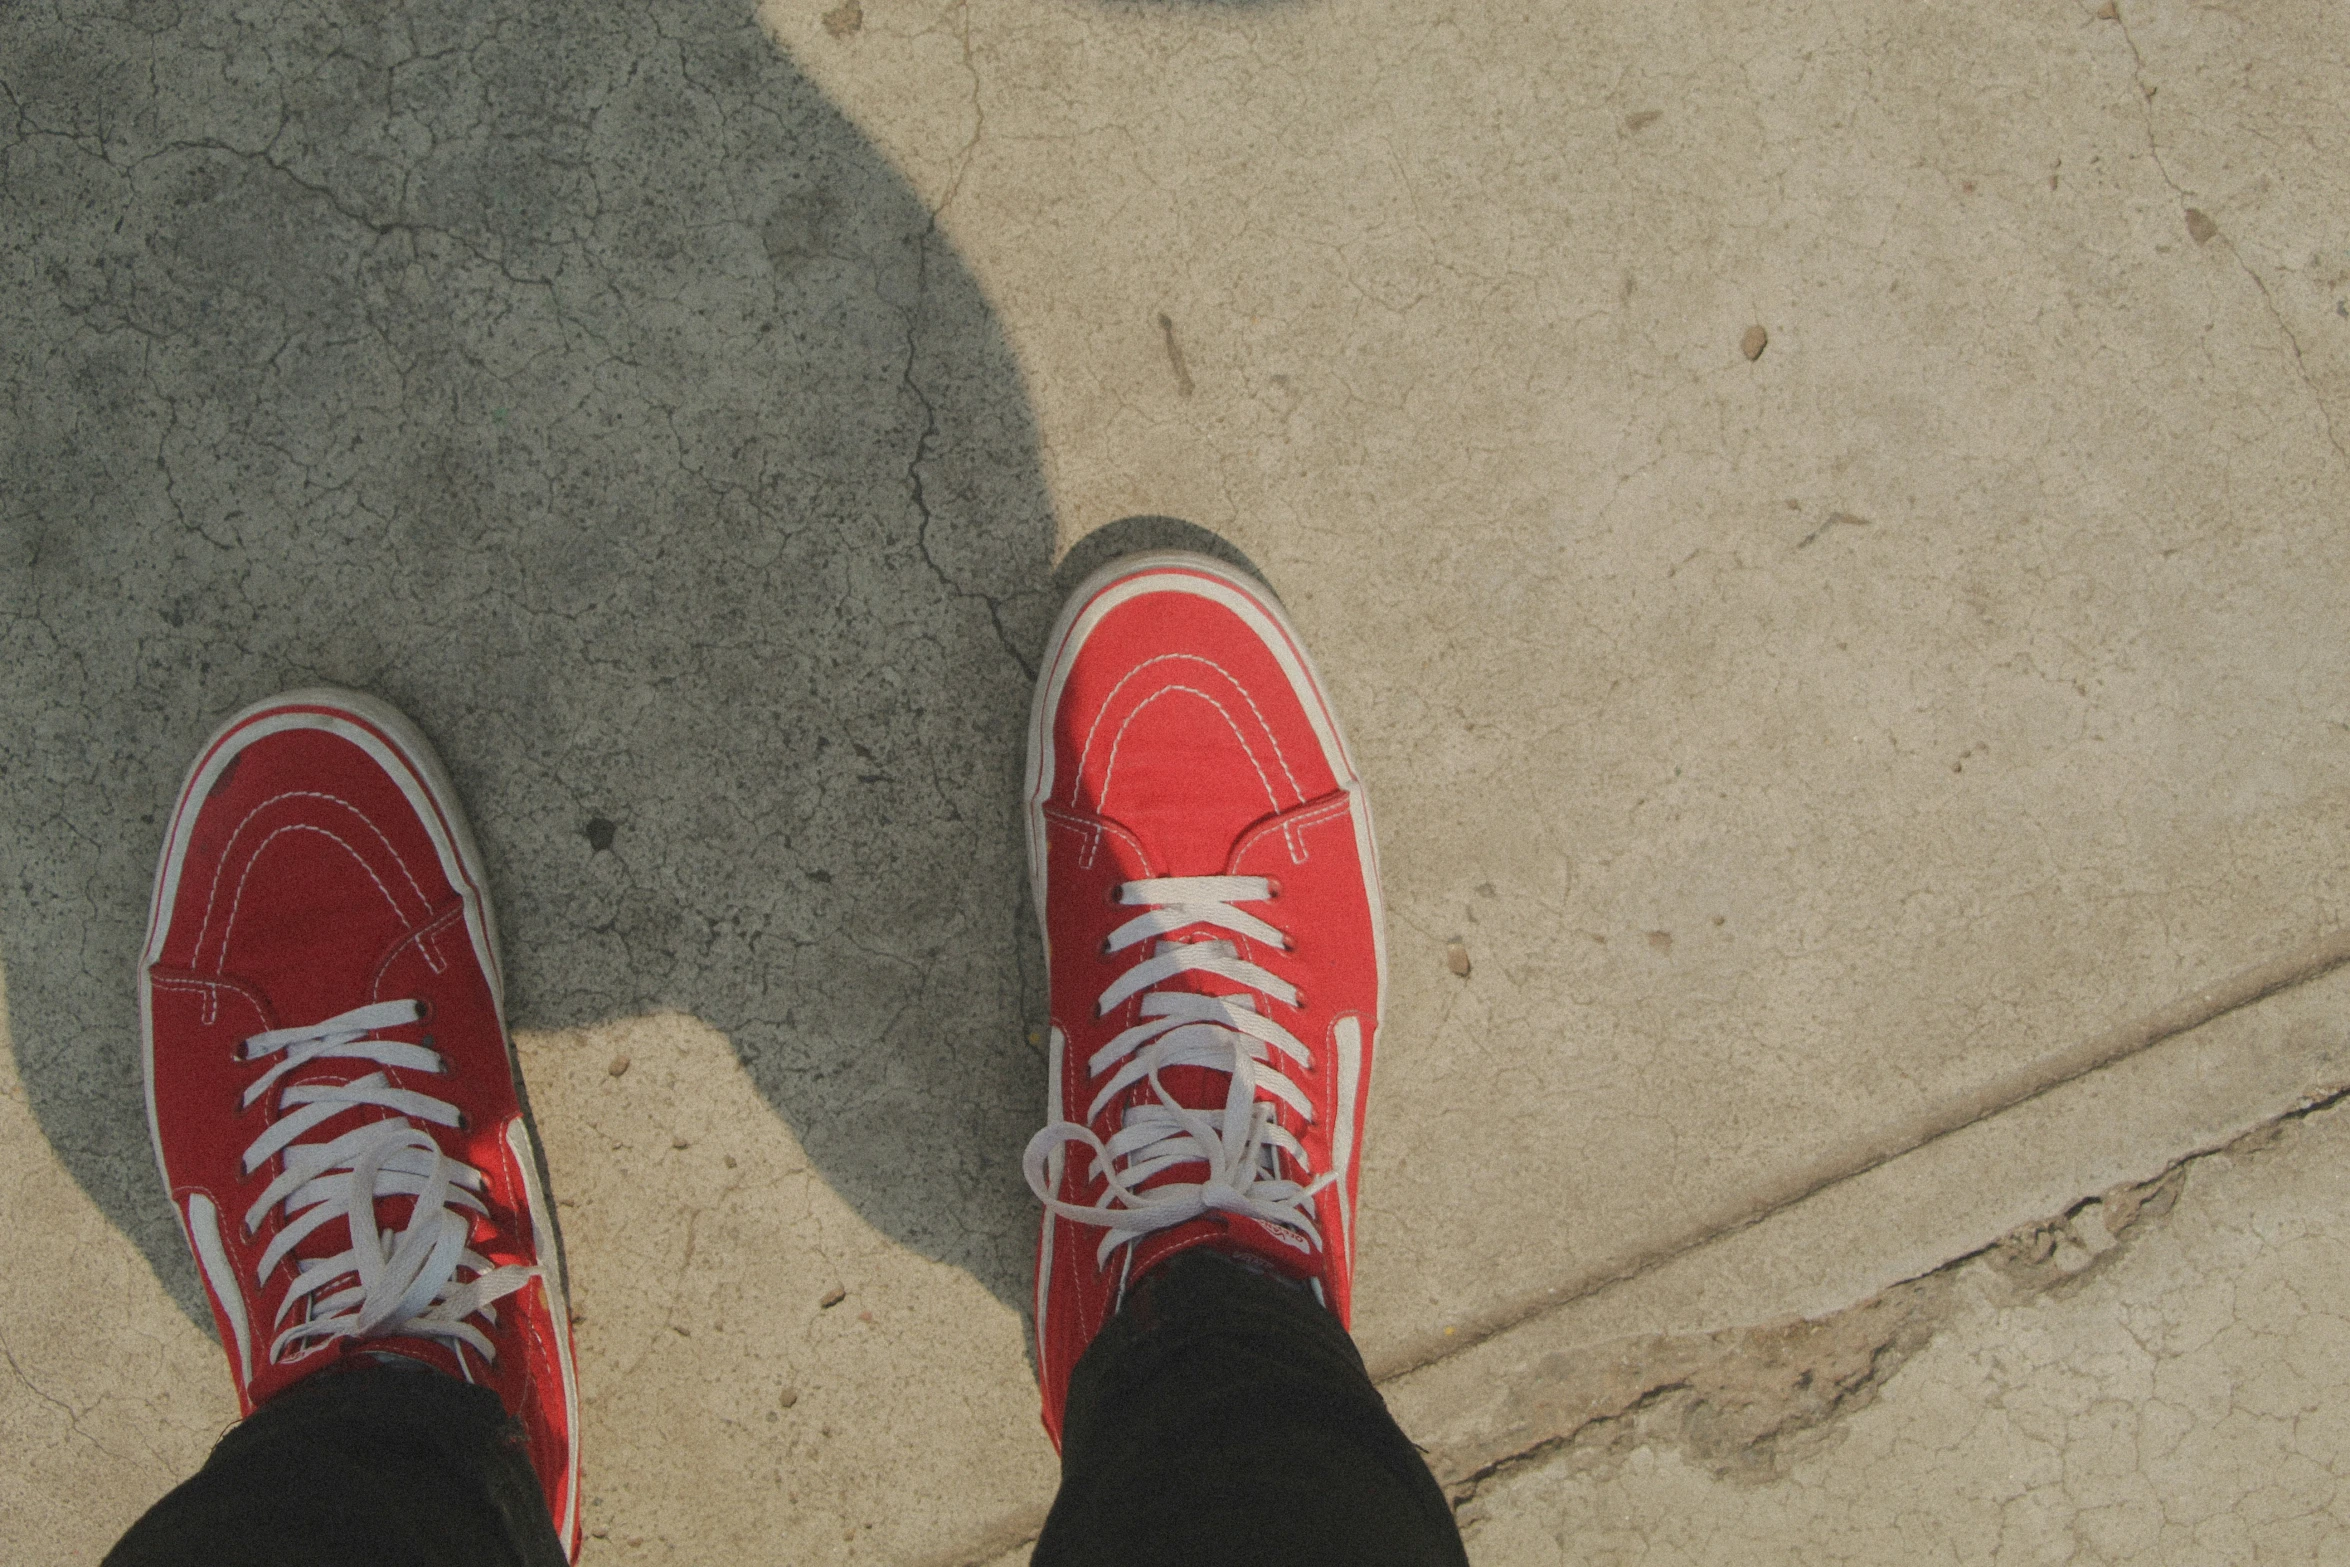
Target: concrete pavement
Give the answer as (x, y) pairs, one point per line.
(1883, 771)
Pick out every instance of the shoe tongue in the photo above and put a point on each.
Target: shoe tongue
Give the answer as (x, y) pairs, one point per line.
(1274, 1248)
(404, 1358)
(1194, 1087)
(405, 1352)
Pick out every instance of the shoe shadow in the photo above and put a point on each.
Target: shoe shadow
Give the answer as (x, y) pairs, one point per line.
(1140, 536)
(582, 382)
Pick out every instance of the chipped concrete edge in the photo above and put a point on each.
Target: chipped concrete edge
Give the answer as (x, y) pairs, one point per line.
(1740, 1399)
(2003, 1093)
(1743, 1402)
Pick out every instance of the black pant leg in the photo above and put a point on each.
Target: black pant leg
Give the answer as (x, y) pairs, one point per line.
(382, 1465)
(1224, 1418)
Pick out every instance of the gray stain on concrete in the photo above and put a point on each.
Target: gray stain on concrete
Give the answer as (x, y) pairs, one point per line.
(576, 378)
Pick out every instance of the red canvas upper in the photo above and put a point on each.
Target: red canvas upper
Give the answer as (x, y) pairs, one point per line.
(1179, 732)
(313, 867)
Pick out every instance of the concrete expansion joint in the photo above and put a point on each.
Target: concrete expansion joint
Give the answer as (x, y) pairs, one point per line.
(650, 402)
(1745, 1403)
(2003, 1094)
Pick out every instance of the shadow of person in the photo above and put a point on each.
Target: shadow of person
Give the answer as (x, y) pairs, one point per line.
(576, 378)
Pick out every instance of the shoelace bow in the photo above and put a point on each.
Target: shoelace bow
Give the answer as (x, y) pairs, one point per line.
(391, 1283)
(1240, 1145)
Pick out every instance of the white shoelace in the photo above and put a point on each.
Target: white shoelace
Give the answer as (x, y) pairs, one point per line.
(1240, 1147)
(391, 1283)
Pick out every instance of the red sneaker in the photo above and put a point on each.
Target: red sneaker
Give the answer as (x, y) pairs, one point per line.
(1203, 867)
(334, 1100)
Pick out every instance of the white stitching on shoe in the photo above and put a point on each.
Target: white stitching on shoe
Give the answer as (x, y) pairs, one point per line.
(1293, 828)
(1087, 834)
(209, 991)
(1093, 831)
(212, 895)
(421, 938)
(1194, 658)
(1110, 767)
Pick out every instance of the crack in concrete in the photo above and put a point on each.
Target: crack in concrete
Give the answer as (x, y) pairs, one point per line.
(2146, 95)
(920, 494)
(978, 114)
(1744, 1402)
(2005, 1093)
(73, 1418)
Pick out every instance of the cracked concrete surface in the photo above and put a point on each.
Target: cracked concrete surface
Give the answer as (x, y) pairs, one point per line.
(584, 385)
(1800, 757)
(2167, 1384)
